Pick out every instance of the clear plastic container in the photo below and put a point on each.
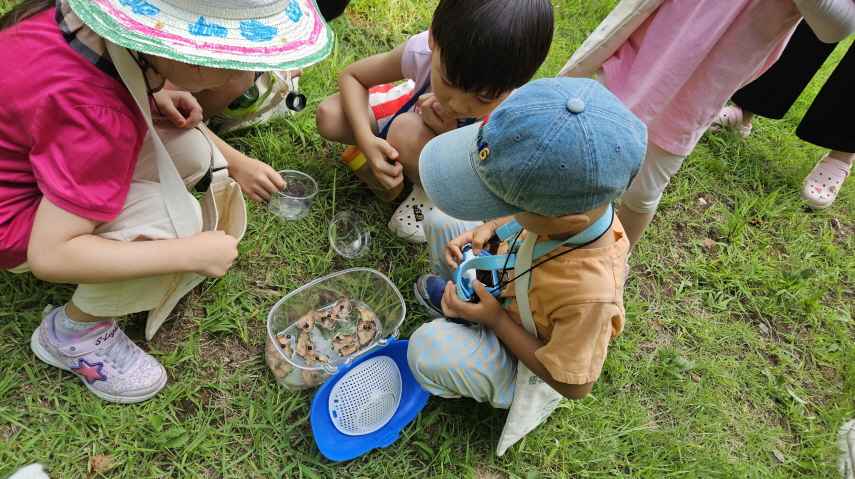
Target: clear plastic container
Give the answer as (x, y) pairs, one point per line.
(357, 162)
(366, 288)
(349, 235)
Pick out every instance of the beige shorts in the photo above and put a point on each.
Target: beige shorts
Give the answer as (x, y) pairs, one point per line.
(144, 218)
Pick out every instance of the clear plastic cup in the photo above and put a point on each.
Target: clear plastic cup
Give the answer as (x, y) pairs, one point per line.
(349, 235)
(295, 201)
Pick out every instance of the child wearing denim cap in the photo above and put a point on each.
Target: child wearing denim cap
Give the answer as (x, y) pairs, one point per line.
(552, 157)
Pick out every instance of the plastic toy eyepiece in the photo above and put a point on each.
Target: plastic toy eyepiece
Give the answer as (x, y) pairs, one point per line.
(295, 101)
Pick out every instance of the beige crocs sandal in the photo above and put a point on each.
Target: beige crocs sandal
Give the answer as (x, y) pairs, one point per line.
(824, 181)
(409, 217)
(729, 120)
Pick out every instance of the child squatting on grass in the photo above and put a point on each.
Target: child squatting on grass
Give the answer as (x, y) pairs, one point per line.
(475, 53)
(80, 189)
(552, 157)
(258, 180)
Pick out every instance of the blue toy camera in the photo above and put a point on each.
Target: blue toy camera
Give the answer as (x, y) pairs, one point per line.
(463, 277)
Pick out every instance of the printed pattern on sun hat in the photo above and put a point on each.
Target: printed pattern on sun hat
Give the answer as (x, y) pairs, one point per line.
(239, 35)
(556, 146)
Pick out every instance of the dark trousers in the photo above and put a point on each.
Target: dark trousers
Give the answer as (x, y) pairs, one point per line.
(830, 120)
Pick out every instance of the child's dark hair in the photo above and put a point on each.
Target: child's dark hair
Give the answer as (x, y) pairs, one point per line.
(23, 11)
(490, 47)
(331, 9)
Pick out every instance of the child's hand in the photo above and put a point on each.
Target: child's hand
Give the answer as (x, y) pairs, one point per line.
(376, 150)
(212, 253)
(476, 236)
(433, 116)
(487, 312)
(257, 180)
(179, 106)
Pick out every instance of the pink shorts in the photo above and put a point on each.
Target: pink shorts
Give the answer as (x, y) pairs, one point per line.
(386, 100)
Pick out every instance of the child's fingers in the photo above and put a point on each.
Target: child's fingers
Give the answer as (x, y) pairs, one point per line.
(453, 255)
(277, 180)
(173, 114)
(391, 152)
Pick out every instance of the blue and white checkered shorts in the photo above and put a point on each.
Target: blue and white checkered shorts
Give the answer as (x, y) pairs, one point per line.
(451, 360)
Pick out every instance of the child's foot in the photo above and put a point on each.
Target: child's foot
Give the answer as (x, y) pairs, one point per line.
(110, 364)
(429, 290)
(408, 219)
(823, 183)
(729, 119)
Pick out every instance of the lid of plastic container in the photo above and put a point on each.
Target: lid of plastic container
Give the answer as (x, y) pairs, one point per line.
(349, 235)
(338, 446)
(353, 157)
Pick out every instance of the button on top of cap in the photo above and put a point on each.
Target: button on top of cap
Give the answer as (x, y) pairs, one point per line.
(575, 105)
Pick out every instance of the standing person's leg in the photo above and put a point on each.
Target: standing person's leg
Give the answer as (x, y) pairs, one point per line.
(639, 203)
(82, 336)
(830, 123)
(830, 120)
(773, 93)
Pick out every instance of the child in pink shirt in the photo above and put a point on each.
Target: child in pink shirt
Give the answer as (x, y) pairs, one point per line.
(81, 197)
(679, 67)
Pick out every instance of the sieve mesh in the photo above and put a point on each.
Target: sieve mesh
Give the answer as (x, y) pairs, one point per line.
(366, 397)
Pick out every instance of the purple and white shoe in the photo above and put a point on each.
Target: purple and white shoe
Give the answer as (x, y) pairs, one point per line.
(112, 366)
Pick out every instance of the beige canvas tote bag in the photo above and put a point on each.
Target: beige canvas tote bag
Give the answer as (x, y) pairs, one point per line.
(222, 208)
(604, 41)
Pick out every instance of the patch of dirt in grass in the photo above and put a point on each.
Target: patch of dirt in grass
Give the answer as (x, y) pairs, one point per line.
(8, 431)
(481, 472)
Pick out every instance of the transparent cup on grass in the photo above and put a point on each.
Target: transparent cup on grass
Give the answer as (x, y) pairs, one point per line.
(295, 201)
(349, 235)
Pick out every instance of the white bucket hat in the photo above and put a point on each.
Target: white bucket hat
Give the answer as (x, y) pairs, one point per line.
(238, 35)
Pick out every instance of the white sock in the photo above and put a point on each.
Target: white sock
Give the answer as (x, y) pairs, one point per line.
(67, 329)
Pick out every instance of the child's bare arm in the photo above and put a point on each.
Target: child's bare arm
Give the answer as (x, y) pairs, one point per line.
(63, 249)
(489, 312)
(354, 82)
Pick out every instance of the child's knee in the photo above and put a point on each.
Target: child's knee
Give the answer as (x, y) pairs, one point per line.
(409, 134)
(237, 85)
(641, 200)
(329, 117)
(423, 350)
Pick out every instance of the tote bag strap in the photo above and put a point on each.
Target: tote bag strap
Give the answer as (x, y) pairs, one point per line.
(181, 211)
(523, 263)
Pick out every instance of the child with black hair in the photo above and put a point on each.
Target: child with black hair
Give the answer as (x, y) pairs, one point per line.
(458, 71)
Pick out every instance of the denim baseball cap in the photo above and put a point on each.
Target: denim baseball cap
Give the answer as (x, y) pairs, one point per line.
(556, 146)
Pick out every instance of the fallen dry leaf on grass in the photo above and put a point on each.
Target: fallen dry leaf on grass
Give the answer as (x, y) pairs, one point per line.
(100, 464)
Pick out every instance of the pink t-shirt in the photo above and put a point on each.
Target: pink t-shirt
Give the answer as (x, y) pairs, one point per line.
(683, 63)
(70, 132)
(416, 61)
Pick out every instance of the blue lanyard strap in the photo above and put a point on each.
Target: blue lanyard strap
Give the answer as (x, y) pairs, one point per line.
(507, 261)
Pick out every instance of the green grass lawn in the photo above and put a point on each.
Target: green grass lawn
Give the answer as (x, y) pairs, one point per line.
(735, 361)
